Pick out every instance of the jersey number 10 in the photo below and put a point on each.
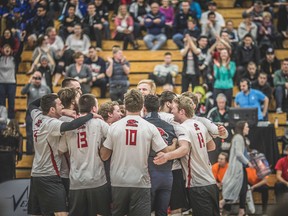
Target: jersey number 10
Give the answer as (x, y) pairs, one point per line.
(131, 137)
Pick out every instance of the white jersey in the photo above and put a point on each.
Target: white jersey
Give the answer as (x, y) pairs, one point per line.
(86, 167)
(211, 127)
(131, 140)
(65, 169)
(196, 164)
(180, 131)
(46, 136)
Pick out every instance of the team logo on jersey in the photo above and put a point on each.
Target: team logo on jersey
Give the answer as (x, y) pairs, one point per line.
(132, 123)
(163, 134)
(38, 123)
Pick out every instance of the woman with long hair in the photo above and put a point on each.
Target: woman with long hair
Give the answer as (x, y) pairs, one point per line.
(124, 28)
(224, 71)
(8, 38)
(235, 179)
(11, 141)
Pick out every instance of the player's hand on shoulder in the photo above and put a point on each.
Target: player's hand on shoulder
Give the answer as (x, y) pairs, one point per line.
(97, 116)
(70, 113)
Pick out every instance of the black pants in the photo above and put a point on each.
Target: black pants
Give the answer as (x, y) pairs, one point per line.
(264, 189)
(29, 134)
(95, 34)
(280, 189)
(127, 38)
(187, 79)
(160, 81)
(102, 84)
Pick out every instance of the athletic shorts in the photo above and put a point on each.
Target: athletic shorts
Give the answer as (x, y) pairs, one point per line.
(90, 202)
(179, 197)
(47, 195)
(131, 201)
(204, 200)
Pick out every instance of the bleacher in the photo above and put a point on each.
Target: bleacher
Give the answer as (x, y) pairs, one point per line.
(142, 63)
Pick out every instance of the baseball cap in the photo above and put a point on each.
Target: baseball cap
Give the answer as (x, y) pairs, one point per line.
(270, 50)
(16, 10)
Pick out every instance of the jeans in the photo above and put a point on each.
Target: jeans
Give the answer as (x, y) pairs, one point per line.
(161, 182)
(279, 95)
(280, 189)
(8, 90)
(178, 40)
(106, 27)
(160, 41)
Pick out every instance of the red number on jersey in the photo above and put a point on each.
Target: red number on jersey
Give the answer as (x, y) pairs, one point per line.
(196, 127)
(131, 136)
(201, 140)
(35, 135)
(81, 140)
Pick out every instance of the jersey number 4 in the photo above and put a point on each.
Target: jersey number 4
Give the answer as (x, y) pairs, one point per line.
(131, 137)
(81, 140)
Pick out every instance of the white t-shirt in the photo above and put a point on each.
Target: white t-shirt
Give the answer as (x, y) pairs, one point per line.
(46, 136)
(86, 166)
(196, 164)
(131, 140)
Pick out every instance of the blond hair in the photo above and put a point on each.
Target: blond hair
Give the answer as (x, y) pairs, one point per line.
(149, 82)
(186, 104)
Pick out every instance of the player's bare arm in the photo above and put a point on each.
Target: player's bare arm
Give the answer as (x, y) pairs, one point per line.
(163, 157)
(105, 153)
(211, 146)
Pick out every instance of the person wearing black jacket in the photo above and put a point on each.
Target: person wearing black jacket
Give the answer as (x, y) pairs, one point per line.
(270, 64)
(93, 25)
(245, 53)
(262, 85)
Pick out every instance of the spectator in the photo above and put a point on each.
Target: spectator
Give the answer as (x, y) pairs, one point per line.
(192, 30)
(118, 70)
(3, 118)
(34, 90)
(124, 28)
(168, 11)
(76, 42)
(30, 11)
(233, 35)
(258, 185)
(245, 53)
(164, 74)
(16, 23)
(38, 25)
(146, 87)
(219, 113)
(138, 11)
(262, 85)
(155, 24)
(247, 27)
(224, 35)
(80, 72)
(103, 13)
(252, 72)
(195, 7)
(43, 48)
(68, 22)
(224, 71)
(8, 68)
(190, 71)
(249, 97)
(219, 169)
(92, 25)
(8, 38)
(80, 8)
(282, 21)
(235, 179)
(281, 187)
(270, 64)
(11, 141)
(256, 12)
(98, 69)
(212, 7)
(281, 86)
(211, 28)
(205, 61)
(267, 33)
(180, 24)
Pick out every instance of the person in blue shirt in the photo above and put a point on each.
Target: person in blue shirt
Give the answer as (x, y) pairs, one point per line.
(251, 98)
